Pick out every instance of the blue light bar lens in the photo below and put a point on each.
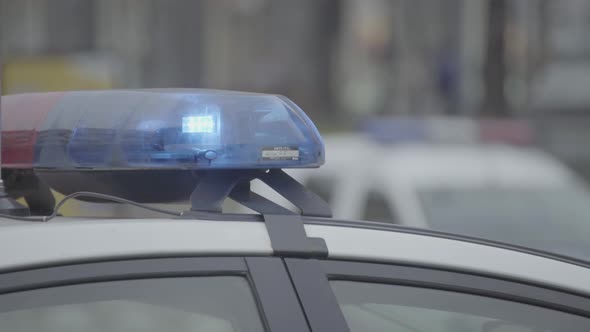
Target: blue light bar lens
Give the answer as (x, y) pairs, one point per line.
(181, 129)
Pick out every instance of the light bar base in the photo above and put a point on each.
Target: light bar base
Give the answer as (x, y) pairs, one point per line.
(214, 187)
(10, 206)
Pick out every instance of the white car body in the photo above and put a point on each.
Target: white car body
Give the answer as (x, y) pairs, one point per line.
(77, 240)
(92, 272)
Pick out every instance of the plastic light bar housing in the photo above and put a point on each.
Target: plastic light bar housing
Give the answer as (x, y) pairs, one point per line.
(157, 129)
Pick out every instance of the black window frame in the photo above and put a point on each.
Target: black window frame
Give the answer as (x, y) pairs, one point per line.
(269, 281)
(311, 278)
(294, 294)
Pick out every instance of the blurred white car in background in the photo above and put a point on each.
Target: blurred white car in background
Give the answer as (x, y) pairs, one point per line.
(454, 183)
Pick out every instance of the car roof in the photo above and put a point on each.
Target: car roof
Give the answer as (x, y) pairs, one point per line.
(72, 240)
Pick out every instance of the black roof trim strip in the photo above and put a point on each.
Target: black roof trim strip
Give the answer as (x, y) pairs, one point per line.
(429, 232)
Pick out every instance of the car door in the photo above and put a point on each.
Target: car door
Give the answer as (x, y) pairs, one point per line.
(357, 296)
(225, 294)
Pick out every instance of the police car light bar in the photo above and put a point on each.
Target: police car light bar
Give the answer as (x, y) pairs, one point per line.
(158, 146)
(157, 129)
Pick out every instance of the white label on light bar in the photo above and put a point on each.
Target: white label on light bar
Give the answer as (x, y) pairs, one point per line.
(280, 153)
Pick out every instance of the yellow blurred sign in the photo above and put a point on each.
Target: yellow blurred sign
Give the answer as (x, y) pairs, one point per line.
(57, 73)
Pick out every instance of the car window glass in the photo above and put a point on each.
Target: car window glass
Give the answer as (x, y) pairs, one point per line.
(370, 307)
(221, 304)
(377, 208)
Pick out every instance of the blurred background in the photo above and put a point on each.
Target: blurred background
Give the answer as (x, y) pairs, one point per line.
(342, 61)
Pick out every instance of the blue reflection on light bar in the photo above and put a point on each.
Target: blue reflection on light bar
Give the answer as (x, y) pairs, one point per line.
(198, 124)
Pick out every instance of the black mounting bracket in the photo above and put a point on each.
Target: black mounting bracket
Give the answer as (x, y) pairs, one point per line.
(285, 228)
(25, 183)
(214, 187)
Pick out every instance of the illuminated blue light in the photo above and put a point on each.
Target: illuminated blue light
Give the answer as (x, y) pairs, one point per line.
(177, 129)
(198, 124)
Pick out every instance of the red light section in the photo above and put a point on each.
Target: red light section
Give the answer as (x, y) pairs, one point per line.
(514, 132)
(22, 117)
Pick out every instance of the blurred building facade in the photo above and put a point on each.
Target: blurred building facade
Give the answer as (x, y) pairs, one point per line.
(258, 45)
(359, 56)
